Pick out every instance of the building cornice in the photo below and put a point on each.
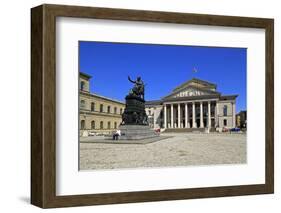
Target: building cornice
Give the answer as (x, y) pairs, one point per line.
(101, 97)
(85, 75)
(228, 97)
(153, 103)
(190, 98)
(89, 112)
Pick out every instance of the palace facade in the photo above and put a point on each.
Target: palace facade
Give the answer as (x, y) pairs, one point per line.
(98, 114)
(192, 106)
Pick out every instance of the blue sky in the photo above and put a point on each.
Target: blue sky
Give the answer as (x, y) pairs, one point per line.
(162, 68)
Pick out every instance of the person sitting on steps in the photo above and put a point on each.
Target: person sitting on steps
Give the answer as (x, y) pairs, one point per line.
(117, 134)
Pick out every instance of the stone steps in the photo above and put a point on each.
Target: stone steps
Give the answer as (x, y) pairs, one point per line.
(182, 130)
(136, 132)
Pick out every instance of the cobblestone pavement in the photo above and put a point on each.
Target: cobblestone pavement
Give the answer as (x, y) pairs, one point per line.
(180, 150)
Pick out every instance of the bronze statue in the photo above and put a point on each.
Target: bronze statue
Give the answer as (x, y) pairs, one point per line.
(138, 89)
(134, 112)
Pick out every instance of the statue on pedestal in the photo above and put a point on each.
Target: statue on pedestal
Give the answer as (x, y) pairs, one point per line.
(134, 112)
(134, 124)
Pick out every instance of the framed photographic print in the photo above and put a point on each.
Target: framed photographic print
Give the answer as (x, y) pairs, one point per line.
(136, 106)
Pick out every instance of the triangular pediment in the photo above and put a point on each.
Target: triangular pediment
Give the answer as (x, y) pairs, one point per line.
(196, 83)
(190, 91)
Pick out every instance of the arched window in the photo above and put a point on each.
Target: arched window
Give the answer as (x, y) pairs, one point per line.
(108, 125)
(108, 109)
(93, 125)
(115, 110)
(224, 110)
(82, 124)
(101, 125)
(92, 106)
(115, 125)
(82, 104)
(121, 111)
(82, 85)
(101, 108)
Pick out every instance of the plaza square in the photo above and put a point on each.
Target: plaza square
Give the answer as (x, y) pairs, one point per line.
(181, 149)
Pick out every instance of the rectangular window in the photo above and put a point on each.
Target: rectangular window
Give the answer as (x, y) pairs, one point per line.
(92, 106)
(101, 108)
(82, 125)
(93, 125)
(225, 122)
(224, 110)
(82, 85)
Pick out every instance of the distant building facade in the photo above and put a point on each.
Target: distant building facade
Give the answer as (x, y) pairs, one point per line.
(98, 114)
(241, 119)
(195, 104)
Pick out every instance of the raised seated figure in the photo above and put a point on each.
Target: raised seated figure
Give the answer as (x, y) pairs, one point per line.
(138, 89)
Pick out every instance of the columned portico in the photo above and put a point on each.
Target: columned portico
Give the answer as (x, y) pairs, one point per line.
(183, 114)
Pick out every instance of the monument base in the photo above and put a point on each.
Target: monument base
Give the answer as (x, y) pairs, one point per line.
(136, 132)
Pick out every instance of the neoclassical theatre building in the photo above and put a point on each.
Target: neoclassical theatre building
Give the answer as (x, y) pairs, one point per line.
(98, 114)
(193, 106)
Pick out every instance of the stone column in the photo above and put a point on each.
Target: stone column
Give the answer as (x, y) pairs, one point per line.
(193, 116)
(172, 116)
(165, 116)
(179, 115)
(233, 115)
(186, 116)
(209, 114)
(168, 117)
(217, 114)
(201, 115)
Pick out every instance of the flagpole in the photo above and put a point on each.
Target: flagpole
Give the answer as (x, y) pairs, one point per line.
(196, 80)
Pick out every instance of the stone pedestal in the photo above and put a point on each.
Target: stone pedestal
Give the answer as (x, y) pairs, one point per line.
(136, 132)
(134, 113)
(134, 125)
